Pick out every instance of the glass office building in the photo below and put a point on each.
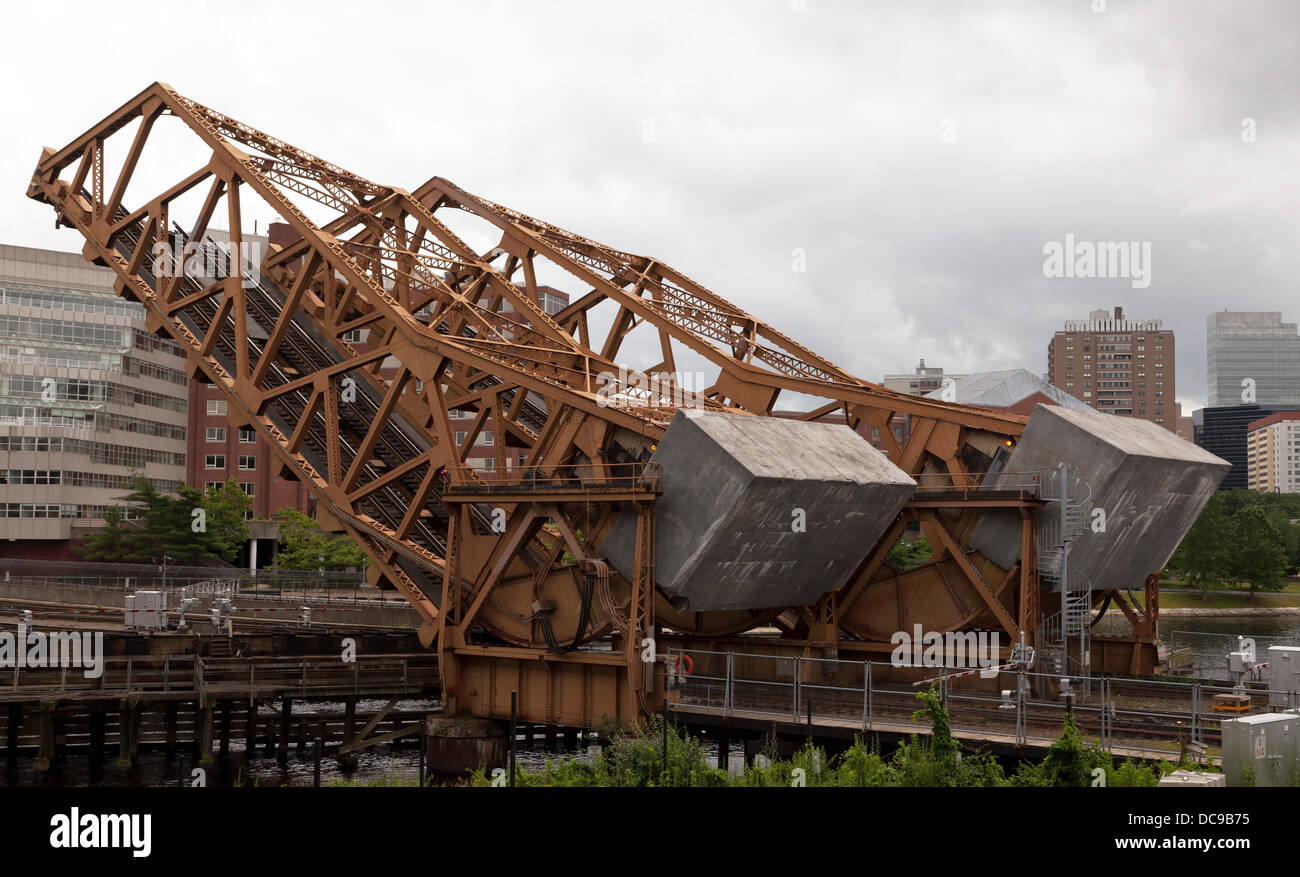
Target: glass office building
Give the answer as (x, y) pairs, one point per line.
(1224, 432)
(1251, 352)
(87, 398)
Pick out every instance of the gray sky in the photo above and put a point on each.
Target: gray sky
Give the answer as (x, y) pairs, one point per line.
(920, 155)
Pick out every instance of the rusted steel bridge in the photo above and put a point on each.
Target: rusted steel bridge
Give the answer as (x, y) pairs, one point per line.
(513, 575)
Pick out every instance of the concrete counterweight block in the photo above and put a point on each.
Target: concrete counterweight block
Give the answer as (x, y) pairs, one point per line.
(1139, 486)
(761, 512)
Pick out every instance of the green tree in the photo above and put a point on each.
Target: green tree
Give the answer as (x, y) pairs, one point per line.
(163, 525)
(227, 530)
(303, 543)
(1203, 555)
(108, 545)
(1258, 554)
(1069, 762)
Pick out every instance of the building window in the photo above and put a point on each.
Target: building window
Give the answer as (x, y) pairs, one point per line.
(247, 435)
(248, 462)
(216, 433)
(211, 485)
(214, 461)
(216, 407)
(248, 487)
(352, 336)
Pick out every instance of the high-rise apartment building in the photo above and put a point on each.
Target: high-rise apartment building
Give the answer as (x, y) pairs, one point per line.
(1273, 453)
(1253, 358)
(1117, 366)
(88, 397)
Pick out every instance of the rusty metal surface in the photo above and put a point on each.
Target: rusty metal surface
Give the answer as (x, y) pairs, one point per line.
(368, 427)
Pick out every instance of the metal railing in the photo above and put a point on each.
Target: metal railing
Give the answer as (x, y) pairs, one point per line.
(973, 485)
(75, 423)
(170, 674)
(582, 477)
(1133, 715)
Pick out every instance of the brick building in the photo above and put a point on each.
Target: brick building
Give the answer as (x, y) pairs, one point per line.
(1117, 366)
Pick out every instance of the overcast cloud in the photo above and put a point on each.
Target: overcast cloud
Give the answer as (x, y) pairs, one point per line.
(721, 137)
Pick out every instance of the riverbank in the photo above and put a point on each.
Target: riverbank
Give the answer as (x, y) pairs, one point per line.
(1215, 612)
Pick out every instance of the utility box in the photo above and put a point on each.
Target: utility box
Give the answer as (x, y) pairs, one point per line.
(1262, 750)
(1284, 677)
(146, 610)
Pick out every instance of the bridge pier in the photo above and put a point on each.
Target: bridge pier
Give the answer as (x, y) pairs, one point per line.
(349, 731)
(204, 733)
(225, 727)
(455, 744)
(250, 731)
(11, 735)
(128, 728)
(196, 742)
(98, 725)
(169, 748)
(45, 752)
(286, 716)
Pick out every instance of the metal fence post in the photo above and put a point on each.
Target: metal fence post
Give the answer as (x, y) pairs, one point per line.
(1020, 708)
(866, 694)
(795, 712)
(728, 701)
(1196, 711)
(1105, 713)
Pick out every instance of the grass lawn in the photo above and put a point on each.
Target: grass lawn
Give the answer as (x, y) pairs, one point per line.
(1263, 599)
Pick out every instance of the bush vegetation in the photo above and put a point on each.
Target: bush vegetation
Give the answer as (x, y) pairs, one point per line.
(637, 759)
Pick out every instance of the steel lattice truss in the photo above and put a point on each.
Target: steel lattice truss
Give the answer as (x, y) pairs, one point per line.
(377, 457)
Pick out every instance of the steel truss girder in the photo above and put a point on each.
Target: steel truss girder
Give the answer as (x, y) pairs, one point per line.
(272, 337)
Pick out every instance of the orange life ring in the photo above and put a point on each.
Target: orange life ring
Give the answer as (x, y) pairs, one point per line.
(689, 665)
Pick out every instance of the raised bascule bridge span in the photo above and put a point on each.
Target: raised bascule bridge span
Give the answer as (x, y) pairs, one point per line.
(645, 510)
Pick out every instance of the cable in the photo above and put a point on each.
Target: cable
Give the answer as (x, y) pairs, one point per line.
(584, 617)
